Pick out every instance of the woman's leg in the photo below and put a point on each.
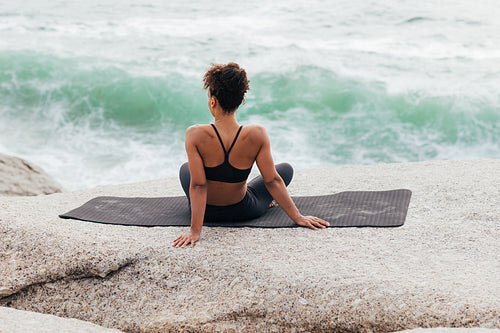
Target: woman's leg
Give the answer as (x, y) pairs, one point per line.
(254, 204)
(262, 197)
(185, 178)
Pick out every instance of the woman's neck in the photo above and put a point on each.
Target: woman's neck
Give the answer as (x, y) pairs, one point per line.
(225, 119)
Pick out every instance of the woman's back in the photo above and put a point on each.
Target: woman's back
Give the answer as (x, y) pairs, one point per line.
(241, 156)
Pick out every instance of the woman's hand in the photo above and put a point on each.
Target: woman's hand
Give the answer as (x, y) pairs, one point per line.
(312, 222)
(185, 239)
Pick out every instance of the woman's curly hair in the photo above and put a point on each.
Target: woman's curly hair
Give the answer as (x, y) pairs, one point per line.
(228, 83)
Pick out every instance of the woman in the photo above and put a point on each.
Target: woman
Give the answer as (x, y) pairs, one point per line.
(220, 157)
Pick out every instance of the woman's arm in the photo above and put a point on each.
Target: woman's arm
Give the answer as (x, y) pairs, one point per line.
(197, 189)
(277, 188)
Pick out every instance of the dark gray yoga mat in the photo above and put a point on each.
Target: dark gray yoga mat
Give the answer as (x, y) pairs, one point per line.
(345, 209)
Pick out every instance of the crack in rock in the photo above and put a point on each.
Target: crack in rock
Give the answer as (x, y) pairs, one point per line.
(75, 274)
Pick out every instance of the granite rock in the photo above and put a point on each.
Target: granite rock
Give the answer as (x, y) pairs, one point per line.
(19, 177)
(452, 330)
(438, 270)
(13, 321)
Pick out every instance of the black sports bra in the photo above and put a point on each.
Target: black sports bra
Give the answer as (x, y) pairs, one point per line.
(225, 172)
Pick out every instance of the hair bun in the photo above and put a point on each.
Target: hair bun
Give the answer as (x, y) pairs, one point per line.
(228, 83)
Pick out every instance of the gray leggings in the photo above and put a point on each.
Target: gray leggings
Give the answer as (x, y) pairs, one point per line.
(254, 204)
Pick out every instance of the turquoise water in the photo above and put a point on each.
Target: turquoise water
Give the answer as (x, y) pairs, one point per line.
(102, 92)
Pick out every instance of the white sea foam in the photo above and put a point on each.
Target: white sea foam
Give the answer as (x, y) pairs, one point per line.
(349, 83)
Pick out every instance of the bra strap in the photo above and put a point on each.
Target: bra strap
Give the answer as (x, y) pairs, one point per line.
(235, 138)
(221, 143)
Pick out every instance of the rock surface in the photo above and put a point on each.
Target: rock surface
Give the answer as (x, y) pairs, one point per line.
(452, 330)
(19, 178)
(439, 270)
(13, 321)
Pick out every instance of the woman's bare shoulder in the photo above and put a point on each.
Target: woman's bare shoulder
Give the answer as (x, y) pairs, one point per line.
(257, 133)
(256, 130)
(197, 134)
(197, 129)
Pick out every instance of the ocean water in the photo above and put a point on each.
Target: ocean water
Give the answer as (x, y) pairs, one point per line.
(101, 92)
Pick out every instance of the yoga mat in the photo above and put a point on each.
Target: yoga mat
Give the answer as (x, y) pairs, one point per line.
(345, 209)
